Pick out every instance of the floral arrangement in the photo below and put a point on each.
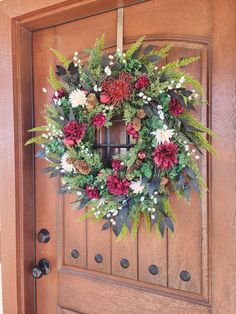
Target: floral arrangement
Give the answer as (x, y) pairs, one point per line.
(155, 104)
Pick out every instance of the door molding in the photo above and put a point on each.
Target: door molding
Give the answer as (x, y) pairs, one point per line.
(22, 28)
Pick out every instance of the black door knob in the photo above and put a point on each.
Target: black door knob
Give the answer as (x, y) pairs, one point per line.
(43, 236)
(43, 268)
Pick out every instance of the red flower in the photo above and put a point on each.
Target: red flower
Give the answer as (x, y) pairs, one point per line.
(142, 82)
(174, 107)
(118, 89)
(58, 94)
(92, 192)
(116, 165)
(74, 132)
(99, 120)
(131, 131)
(104, 98)
(165, 155)
(117, 187)
(142, 155)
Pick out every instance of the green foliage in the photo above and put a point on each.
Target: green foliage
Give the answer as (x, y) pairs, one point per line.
(96, 53)
(37, 139)
(195, 123)
(134, 47)
(203, 143)
(179, 63)
(61, 57)
(54, 82)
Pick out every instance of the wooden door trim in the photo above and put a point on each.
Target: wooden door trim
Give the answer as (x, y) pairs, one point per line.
(22, 28)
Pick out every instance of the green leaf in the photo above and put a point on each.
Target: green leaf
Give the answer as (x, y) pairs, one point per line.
(38, 129)
(134, 47)
(37, 140)
(61, 57)
(54, 82)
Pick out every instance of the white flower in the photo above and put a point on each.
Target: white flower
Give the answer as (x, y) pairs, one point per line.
(163, 135)
(136, 186)
(197, 157)
(107, 70)
(178, 85)
(182, 80)
(111, 57)
(44, 90)
(77, 98)
(67, 166)
(161, 114)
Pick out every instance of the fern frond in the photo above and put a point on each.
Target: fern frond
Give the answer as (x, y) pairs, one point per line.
(134, 47)
(123, 233)
(37, 139)
(136, 220)
(61, 57)
(54, 82)
(163, 52)
(203, 142)
(179, 63)
(195, 123)
(188, 79)
(96, 53)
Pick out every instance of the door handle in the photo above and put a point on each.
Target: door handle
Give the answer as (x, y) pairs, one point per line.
(43, 268)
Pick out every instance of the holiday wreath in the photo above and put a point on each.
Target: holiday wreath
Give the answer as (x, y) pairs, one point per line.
(155, 104)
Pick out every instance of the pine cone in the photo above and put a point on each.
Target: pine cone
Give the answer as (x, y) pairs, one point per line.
(82, 166)
(136, 123)
(129, 177)
(135, 166)
(141, 114)
(91, 102)
(70, 160)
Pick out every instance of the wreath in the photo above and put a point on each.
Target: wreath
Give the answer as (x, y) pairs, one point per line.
(166, 141)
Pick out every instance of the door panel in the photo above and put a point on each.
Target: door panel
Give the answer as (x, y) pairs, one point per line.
(78, 282)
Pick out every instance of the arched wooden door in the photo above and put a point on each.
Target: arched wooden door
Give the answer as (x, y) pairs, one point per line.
(78, 283)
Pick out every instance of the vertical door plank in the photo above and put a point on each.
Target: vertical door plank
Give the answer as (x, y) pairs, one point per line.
(185, 246)
(77, 36)
(46, 198)
(124, 249)
(74, 233)
(151, 249)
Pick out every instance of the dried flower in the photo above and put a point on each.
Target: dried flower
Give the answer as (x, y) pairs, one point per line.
(174, 107)
(142, 155)
(142, 82)
(116, 165)
(165, 155)
(99, 120)
(74, 132)
(118, 89)
(116, 186)
(78, 98)
(105, 98)
(92, 192)
(137, 186)
(163, 135)
(67, 163)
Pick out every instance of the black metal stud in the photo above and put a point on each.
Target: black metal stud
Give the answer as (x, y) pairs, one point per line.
(185, 275)
(124, 263)
(98, 258)
(153, 269)
(75, 253)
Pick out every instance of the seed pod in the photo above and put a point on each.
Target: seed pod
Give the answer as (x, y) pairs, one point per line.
(136, 123)
(141, 114)
(82, 167)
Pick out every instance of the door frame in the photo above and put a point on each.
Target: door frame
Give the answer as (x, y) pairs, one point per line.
(22, 29)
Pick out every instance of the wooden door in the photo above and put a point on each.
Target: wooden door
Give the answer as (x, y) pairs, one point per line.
(78, 283)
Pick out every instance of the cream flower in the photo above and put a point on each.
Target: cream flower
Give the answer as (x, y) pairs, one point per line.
(163, 135)
(66, 163)
(107, 70)
(77, 98)
(136, 186)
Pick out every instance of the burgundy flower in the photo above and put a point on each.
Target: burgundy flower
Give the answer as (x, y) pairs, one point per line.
(104, 98)
(164, 155)
(142, 82)
(142, 155)
(174, 107)
(118, 89)
(116, 164)
(92, 192)
(74, 132)
(99, 120)
(131, 131)
(58, 94)
(117, 187)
